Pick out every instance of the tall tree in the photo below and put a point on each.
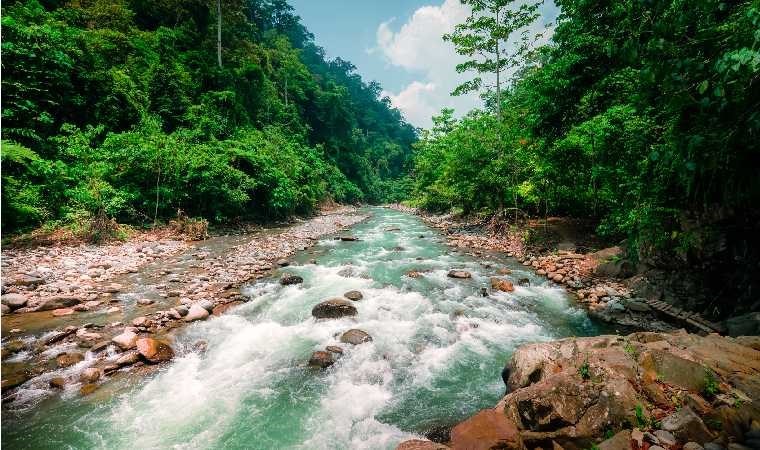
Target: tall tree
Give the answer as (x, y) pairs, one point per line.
(494, 37)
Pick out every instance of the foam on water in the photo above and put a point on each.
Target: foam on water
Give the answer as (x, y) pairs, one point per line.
(438, 347)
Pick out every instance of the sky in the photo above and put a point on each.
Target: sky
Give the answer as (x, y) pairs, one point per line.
(398, 43)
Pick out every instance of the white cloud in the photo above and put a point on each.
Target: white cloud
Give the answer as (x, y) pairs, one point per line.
(419, 48)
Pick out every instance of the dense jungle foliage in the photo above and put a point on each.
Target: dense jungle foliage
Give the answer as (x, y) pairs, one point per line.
(642, 115)
(127, 108)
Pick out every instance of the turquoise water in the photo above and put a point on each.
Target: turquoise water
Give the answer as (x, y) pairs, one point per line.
(436, 356)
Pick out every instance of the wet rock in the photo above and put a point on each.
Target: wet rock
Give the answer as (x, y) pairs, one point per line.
(334, 309)
(57, 383)
(283, 263)
(417, 444)
(503, 271)
(349, 238)
(14, 380)
(58, 336)
(207, 305)
(196, 312)
(90, 375)
(88, 389)
(290, 279)
(355, 337)
(224, 308)
(57, 302)
(200, 346)
(182, 310)
(144, 302)
(128, 358)
(414, 274)
(334, 349)
(686, 426)
(460, 274)
(68, 359)
(14, 301)
(354, 295)
(502, 285)
(154, 350)
(488, 429)
(321, 359)
(523, 282)
(125, 340)
(141, 321)
(100, 346)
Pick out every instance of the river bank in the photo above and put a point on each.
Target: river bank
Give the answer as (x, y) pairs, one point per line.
(567, 253)
(74, 303)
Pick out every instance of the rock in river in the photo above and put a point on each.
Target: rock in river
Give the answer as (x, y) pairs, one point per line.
(334, 308)
(14, 301)
(289, 279)
(348, 238)
(154, 350)
(197, 312)
(502, 285)
(321, 359)
(68, 359)
(57, 302)
(125, 340)
(90, 375)
(462, 274)
(354, 295)
(355, 337)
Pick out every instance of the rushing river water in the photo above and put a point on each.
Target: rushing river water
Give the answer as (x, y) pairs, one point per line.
(436, 356)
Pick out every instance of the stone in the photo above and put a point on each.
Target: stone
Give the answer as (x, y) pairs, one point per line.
(144, 302)
(57, 382)
(62, 312)
(283, 263)
(692, 446)
(502, 285)
(290, 279)
(503, 271)
(68, 359)
(665, 438)
(348, 238)
(27, 280)
(225, 307)
(57, 302)
(90, 375)
(417, 444)
(5, 309)
(125, 340)
(154, 351)
(656, 447)
(686, 426)
(128, 358)
(334, 309)
(182, 310)
(88, 389)
(334, 349)
(321, 359)
(523, 282)
(637, 306)
(355, 337)
(460, 274)
(620, 441)
(141, 321)
(745, 325)
(207, 305)
(14, 301)
(488, 429)
(196, 312)
(354, 295)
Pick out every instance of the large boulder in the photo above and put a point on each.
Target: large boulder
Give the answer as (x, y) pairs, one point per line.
(154, 351)
(746, 325)
(334, 308)
(355, 337)
(14, 301)
(57, 302)
(488, 429)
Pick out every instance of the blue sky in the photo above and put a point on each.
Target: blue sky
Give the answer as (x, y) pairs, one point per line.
(398, 43)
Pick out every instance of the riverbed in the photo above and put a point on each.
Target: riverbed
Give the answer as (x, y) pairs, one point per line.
(438, 347)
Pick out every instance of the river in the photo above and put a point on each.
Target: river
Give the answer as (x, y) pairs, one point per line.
(437, 352)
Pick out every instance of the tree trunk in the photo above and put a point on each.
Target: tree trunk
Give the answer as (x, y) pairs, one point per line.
(219, 32)
(498, 70)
